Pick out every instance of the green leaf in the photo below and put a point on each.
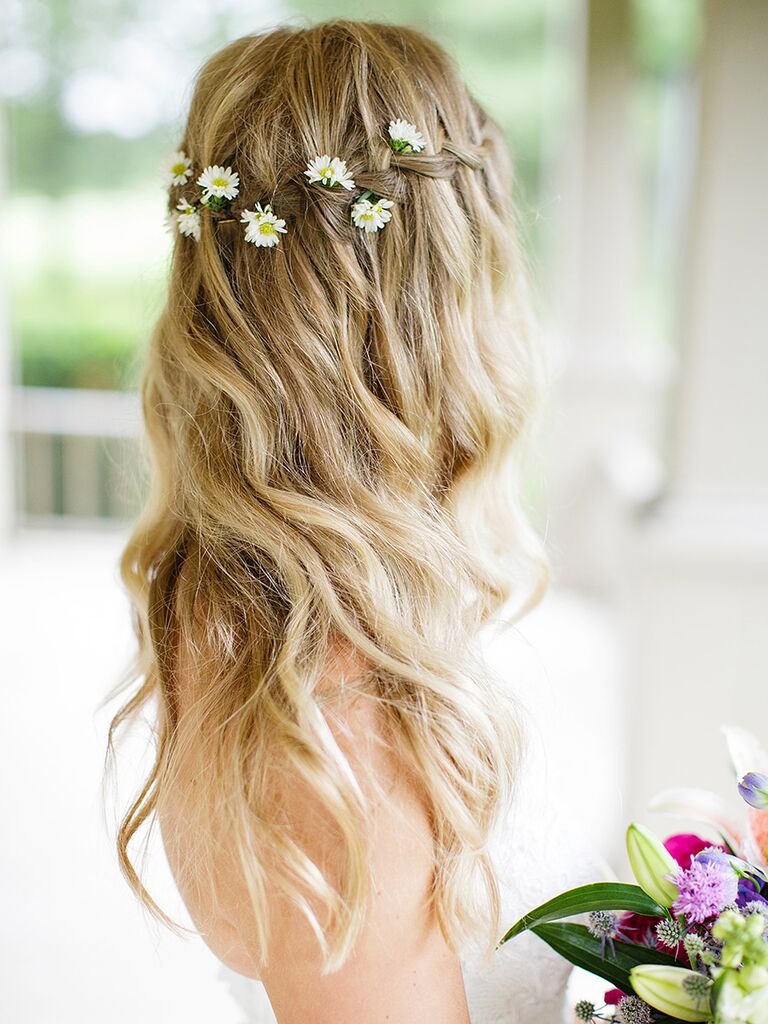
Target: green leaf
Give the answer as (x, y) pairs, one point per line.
(579, 947)
(598, 896)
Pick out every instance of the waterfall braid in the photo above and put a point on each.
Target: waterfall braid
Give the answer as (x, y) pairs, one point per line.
(335, 426)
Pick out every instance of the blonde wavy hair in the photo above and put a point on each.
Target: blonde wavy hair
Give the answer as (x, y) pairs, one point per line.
(335, 428)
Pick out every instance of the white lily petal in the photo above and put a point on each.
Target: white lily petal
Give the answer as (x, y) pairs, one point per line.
(745, 751)
(700, 805)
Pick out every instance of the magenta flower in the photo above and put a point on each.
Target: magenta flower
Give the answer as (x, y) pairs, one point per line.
(705, 889)
(684, 846)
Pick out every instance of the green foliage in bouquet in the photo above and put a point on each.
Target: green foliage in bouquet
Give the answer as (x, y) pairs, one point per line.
(716, 969)
(597, 896)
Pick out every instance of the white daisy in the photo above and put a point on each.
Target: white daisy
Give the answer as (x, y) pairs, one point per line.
(371, 216)
(188, 219)
(263, 226)
(330, 172)
(171, 221)
(219, 182)
(177, 169)
(404, 137)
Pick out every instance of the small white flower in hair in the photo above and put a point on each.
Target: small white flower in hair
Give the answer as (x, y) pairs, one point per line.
(330, 172)
(405, 137)
(188, 219)
(171, 221)
(263, 226)
(219, 183)
(371, 215)
(177, 169)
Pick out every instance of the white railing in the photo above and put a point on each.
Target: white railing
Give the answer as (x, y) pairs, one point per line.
(76, 454)
(69, 412)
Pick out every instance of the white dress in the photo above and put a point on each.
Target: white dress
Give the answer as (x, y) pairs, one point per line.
(539, 853)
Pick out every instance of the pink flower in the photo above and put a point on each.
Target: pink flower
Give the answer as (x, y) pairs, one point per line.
(757, 822)
(684, 846)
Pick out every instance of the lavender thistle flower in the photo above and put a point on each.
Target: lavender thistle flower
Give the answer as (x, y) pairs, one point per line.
(604, 925)
(705, 889)
(670, 933)
(585, 1011)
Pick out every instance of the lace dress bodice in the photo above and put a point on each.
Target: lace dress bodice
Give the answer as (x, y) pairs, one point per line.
(538, 853)
(538, 856)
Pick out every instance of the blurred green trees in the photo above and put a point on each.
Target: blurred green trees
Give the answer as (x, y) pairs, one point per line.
(77, 327)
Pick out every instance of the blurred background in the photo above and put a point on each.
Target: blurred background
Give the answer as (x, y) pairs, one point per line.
(639, 134)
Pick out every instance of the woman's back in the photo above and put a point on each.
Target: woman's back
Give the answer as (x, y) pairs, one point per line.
(539, 851)
(335, 394)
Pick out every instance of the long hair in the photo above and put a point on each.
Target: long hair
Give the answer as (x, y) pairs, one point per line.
(335, 425)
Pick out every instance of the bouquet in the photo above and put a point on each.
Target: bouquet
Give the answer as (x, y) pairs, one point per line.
(689, 941)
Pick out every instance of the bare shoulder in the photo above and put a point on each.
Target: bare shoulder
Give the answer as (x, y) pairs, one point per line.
(401, 969)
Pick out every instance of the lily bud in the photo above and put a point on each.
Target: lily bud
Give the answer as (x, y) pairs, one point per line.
(754, 789)
(682, 994)
(651, 865)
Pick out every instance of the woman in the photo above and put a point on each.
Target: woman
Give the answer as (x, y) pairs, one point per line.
(335, 396)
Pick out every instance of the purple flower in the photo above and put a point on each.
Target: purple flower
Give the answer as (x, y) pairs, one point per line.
(604, 925)
(754, 789)
(706, 887)
(725, 861)
(713, 855)
(749, 893)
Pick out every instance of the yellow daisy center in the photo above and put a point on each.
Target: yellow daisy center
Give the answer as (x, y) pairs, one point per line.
(265, 228)
(327, 172)
(220, 182)
(179, 169)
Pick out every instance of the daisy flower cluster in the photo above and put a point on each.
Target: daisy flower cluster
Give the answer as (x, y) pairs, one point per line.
(263, 227)
(404, 138)
(329, 171)
(689, 941)
(188, 219)
(370, 213)
(220, 185)
(177, 170)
